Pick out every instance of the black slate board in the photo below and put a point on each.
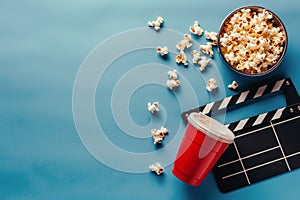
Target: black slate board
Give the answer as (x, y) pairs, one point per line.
(265, 145)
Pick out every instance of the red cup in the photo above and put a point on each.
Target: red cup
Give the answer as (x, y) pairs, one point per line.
(204, 141)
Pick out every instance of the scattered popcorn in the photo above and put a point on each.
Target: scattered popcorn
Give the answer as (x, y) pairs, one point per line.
(181, 58)
(196, 56)
(251, 42)
(162, 50)
(185, 43)
(153, 107)
(196, 29)
(157, 168)
(172, 74)
(211, 84)
(172, 83)
(156, 24)
(234, 85)
(158, 135)
(203, 62)
(207, 49)
(213, 36)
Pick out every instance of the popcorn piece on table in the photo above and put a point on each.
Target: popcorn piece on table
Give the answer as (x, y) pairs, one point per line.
(196, 56)
(203, 62)
(196, 29)
(234, 85)
(207, 49)
(173, 74)
(185, 43)
(211, 84)
(156, 24)
(153, 107)
(172, 83)
(159, 134)
(181, 58)
(213, 36)
(200, 60)
(157, 168)
(162, 50)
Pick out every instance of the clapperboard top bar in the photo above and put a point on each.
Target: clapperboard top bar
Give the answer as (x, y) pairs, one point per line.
(265, 145)
(286, 85)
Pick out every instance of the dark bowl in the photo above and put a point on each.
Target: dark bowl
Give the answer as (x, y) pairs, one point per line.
(276, 22)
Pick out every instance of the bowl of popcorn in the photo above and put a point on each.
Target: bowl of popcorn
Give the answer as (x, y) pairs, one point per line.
(252, 40)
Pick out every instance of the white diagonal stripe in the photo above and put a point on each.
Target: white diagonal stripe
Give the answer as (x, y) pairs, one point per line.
(278, 114)
(260, 91)
(227, 125)
(251, 155)
(242, 97)
(224, 102)
(228, 163)
(234, 174)
(242, 164)
(283, 153)
(254, 131)
(260, 119)
(264, 164)
(241, 124)
(294, 154)
(277, 86)
(207, 108)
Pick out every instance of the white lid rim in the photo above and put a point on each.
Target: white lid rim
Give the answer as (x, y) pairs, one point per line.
(211, 127)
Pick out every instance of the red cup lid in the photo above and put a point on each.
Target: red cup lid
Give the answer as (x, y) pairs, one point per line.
(211, 127)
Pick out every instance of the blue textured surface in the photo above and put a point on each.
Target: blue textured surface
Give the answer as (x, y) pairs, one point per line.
(43, 44)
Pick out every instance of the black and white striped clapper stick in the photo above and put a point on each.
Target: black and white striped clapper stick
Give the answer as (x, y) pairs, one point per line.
(220, 105)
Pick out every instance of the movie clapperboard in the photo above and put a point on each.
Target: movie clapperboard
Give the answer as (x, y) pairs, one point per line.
(265, 145)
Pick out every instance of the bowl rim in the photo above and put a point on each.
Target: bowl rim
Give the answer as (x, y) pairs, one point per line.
(284, 46)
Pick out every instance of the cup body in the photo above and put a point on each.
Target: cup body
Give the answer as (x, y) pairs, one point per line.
(204, 142)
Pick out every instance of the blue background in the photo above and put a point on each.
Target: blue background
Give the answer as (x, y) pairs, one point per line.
(42, 45)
